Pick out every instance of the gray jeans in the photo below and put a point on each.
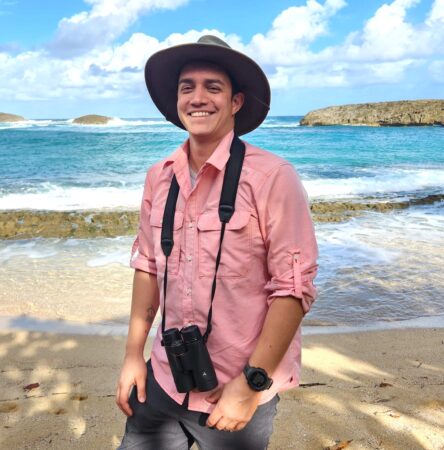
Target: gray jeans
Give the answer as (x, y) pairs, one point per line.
(162, 424)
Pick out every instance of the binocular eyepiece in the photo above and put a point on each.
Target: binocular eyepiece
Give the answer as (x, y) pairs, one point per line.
(189, 359)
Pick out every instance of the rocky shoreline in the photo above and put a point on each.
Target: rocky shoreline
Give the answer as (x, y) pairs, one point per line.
(5, 117)
(400, 113)
(92, 119)
(89, 119)
(26, 224)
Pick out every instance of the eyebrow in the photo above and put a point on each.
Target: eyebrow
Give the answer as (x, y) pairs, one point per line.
(207, 81)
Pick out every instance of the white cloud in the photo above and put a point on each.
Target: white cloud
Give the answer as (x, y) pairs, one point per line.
(387, 36)
(107, 20)
(339, 74)
(383, 51)
(286, 43)
(436, 14)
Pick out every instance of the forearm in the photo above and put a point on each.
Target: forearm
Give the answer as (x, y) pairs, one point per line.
(283, 319)
(144, 306)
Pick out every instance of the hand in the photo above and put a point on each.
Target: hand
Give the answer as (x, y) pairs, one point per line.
(133, 373)
(235, 402)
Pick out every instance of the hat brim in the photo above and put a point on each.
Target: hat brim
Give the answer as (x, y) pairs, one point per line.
(163, 68)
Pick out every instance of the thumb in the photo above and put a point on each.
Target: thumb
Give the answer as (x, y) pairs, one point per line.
(141, 389)
(214, 396)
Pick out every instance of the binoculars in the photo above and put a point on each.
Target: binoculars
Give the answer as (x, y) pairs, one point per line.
(189, 359)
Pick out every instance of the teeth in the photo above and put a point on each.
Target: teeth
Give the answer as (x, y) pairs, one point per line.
(200, 114)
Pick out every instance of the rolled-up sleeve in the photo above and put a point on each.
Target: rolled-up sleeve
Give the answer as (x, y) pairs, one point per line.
(287, 228)
(142, 252)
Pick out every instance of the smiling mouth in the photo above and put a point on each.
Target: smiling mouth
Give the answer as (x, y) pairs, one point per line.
(200, 114)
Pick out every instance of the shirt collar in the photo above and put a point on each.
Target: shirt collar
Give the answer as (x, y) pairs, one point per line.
(218, 158)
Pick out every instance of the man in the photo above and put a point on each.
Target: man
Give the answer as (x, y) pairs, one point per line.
(267, 265)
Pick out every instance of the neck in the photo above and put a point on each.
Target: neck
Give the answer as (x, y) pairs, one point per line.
(201, 148)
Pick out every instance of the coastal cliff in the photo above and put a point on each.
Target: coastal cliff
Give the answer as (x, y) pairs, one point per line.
(401, 113)
(5, 117)
(92, 119)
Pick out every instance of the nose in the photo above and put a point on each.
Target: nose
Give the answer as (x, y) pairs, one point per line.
(199, 97)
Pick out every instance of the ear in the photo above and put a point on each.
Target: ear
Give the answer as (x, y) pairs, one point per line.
(236, 102)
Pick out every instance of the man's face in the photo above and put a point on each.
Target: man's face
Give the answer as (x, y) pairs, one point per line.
(205, 104)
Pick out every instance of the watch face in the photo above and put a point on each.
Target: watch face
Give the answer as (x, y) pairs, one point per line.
(258, 379)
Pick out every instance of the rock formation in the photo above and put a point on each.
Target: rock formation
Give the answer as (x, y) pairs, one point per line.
(92, 119)
(401, 113)
(28, 224)
(5, 117)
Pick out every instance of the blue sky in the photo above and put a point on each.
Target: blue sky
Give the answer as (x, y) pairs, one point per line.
(64, 59)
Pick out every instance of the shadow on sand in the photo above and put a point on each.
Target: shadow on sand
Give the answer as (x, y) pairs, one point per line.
(379, 390)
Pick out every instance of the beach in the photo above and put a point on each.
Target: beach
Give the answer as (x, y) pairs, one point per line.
(373, 342)
(364, 390)
(103, 101)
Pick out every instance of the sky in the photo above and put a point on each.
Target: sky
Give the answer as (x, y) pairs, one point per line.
(65, 59)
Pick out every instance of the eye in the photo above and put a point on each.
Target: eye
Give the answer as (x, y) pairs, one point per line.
(185, 89)
(214, 89)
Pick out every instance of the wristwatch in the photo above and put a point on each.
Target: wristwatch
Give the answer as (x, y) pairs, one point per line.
(257, 378)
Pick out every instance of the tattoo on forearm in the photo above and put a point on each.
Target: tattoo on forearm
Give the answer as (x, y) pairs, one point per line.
(150, 315)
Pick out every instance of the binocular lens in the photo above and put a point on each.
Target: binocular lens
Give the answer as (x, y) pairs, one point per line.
(189, 360)
(191, 334)
(171, 337)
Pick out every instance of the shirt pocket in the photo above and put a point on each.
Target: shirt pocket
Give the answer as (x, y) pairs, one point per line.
(236, 246)
(156, 219)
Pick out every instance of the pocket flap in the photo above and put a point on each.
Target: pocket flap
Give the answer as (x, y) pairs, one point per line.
(209, 220)
(156, 218)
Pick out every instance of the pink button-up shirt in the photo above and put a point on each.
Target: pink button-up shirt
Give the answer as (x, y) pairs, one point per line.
(269, 251)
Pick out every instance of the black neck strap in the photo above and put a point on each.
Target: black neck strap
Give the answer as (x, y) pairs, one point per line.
(226, 209)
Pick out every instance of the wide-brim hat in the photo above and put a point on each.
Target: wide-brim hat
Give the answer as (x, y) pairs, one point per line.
(163, 68)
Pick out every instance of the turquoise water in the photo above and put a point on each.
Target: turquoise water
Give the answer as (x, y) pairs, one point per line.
(63, 161)
(375, 267)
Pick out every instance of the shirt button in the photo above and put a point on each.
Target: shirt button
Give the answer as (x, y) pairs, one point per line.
(189, 257)
(188, 291)
(191, 225)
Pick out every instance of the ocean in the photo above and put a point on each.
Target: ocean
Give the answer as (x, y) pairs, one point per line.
(374, 267)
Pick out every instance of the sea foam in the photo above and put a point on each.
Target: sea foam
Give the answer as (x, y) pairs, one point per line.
(57, 198)
(390, 180)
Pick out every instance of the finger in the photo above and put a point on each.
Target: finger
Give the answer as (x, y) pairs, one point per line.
(214, 396)
(222, 423)
(124, 396)
(231, 425)
(117, 396)
(117, 399)
(141, 389)
(213, 418)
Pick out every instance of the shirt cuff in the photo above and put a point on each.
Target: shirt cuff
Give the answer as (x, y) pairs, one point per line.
(295, 284)
(141, 262)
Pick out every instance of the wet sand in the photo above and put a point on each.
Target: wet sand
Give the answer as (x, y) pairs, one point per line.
(372, 390)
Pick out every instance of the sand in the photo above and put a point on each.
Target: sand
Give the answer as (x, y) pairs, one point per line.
(367, 390)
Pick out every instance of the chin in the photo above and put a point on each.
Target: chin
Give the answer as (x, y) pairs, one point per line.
(200, 131)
